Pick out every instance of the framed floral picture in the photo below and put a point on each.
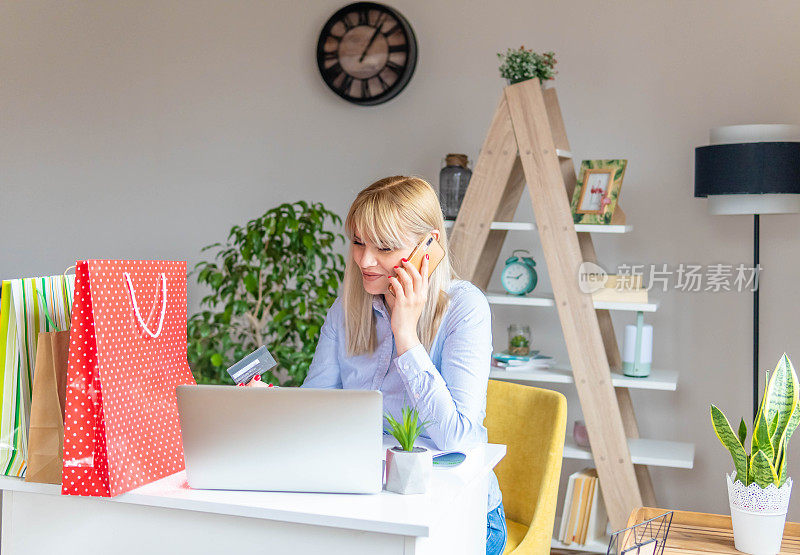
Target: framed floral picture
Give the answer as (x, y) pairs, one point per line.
(597, 191)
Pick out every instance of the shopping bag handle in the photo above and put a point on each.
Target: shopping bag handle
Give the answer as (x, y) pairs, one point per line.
(46, 310)
(136, 307)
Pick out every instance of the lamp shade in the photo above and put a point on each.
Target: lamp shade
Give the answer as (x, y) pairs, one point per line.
(750, 169)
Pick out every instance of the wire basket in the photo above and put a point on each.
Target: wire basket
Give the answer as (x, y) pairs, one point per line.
(645, 538)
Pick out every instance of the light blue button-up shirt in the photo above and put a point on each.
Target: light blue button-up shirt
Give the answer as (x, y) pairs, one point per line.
(447, 385)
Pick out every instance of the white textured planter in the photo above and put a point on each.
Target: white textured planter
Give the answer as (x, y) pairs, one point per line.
(758, 515)
(408, 471)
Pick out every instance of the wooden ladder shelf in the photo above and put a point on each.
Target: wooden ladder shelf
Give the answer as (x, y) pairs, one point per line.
(526, 143)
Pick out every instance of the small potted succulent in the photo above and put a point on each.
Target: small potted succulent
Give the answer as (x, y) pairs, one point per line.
(408, 468)
(519, 340)
(519, 345)
(759, 489)
(521, 64)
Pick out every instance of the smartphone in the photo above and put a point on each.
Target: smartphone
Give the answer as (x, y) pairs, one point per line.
(430, 246)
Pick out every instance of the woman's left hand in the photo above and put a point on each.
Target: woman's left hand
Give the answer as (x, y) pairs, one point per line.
(410, 294)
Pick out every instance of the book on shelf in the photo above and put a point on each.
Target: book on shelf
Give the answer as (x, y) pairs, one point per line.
(619, 289)
(587, 513)
(574, 501)
(505, 356)
(625, 282)
(584, 516)
(580, 526)
(534, 361)
(608, 295)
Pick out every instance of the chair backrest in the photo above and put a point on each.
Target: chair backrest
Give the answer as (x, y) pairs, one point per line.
(531, 422)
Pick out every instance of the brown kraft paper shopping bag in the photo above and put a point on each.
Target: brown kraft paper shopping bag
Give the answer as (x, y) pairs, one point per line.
(46, 437)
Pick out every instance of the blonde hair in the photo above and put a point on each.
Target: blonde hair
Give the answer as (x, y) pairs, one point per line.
(394, 212)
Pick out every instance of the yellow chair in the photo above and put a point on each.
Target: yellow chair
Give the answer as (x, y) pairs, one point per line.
(532, 423)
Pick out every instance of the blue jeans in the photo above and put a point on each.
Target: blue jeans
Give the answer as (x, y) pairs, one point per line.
(496, 531)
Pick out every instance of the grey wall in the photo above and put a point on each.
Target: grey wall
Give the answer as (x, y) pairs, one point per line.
(147, 129)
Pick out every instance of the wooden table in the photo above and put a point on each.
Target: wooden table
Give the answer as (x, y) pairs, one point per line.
(700, 533)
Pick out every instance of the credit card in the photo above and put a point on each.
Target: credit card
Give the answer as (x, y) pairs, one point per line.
(256, 363)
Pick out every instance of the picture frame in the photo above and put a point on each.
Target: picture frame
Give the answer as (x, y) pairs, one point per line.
(597, 191)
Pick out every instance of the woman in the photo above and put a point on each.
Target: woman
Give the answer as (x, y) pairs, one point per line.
(428, 345)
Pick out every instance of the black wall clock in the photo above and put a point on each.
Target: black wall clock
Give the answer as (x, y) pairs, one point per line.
(367, 53)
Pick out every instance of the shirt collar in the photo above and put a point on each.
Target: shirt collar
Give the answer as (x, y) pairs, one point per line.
(378, 304)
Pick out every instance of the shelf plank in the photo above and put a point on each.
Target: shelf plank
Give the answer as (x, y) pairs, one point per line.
(495, 297)
(513, 226)
(659, 380)
(546, 299)
(651, 452)
(529, 226)
(651, 306)
(561, 153)
(599, 545)
(596, 546)
(610, 228)
(520, 300)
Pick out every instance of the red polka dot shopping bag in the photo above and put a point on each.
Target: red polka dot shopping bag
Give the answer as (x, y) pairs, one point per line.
(127, 353)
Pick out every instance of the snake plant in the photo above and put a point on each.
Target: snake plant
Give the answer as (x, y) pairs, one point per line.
(775, 422)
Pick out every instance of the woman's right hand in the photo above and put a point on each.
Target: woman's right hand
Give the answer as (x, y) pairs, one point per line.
(256, 382)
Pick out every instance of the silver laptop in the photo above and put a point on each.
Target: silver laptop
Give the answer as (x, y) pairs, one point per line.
(282, 439)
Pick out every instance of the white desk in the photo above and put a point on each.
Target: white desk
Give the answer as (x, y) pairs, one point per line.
(168, 517)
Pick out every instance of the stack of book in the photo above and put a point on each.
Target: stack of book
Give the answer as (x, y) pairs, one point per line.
(621, 289)
(584, 517)
(532, 361)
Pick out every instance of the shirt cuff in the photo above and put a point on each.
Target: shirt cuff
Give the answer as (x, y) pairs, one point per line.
(415, 365)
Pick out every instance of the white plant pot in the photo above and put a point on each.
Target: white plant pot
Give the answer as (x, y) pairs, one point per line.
(408, 471)
(758, 515)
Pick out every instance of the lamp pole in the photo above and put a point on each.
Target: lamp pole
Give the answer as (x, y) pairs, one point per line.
(757, 284)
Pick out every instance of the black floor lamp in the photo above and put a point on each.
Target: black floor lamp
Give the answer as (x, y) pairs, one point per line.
(750, 169)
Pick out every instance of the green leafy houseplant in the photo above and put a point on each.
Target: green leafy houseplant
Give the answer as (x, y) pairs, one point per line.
(519, 342)
(407, 429)
(776, 421)
(271, 283)
(519, 345)
(522, 64)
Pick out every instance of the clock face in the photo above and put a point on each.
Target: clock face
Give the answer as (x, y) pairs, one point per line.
(518, 279)
(367, 53)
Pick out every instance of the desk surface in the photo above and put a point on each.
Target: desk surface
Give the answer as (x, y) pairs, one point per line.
(386, 512)
(699, 533)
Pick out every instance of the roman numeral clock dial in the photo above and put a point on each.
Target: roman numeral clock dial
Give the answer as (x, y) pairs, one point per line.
(367, 53)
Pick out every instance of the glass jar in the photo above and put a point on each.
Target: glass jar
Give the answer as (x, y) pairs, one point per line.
(453, 180)
(519, 340)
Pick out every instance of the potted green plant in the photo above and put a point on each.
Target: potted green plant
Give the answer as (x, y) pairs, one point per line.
(519, 345)
(519, 342)
(408, 468)
(521, 64)
(271, 283)
(758, 488)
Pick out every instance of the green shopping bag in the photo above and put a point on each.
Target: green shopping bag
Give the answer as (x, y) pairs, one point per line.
(27, 306)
